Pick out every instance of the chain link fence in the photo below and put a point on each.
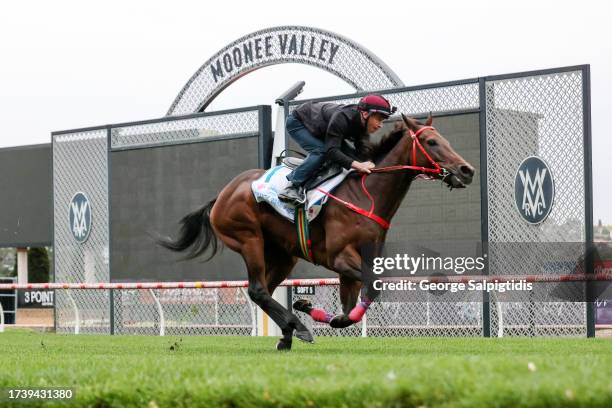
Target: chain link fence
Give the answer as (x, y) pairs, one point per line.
(536, 115)
(229, 124)
(80, 164)
(226, 311)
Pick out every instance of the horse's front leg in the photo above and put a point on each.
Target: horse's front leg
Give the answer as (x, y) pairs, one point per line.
(348, 264)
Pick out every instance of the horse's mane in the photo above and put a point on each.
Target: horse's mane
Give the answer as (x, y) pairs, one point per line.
(389, 135)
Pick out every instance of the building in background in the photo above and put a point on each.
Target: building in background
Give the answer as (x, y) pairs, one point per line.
(601, 233)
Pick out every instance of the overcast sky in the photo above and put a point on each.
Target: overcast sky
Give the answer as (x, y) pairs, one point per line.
(69, 64)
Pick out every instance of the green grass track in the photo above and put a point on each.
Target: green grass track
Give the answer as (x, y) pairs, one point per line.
(124, 371)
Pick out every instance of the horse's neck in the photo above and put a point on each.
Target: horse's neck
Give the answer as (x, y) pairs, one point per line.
(389, 189)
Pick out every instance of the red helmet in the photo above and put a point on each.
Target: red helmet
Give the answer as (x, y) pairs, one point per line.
(376, 103)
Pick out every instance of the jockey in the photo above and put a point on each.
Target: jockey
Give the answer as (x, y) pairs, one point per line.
(320, 128)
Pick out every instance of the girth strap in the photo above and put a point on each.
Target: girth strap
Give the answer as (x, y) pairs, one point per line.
(303, 232)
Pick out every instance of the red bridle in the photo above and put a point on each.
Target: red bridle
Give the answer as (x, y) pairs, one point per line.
(436, 170)
(415, 144)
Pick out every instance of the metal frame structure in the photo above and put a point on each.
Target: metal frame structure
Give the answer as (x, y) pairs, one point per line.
(580, 75)
(481, 109)
(120, 137)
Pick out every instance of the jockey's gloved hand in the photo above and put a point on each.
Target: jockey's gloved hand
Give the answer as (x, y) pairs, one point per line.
(363, 167)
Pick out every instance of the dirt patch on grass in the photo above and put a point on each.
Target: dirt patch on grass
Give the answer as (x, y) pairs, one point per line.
(35, 317)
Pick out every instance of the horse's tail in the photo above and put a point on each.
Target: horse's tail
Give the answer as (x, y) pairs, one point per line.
(196, 234)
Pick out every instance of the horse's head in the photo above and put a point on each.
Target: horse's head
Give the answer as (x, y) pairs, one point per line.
(458, 171)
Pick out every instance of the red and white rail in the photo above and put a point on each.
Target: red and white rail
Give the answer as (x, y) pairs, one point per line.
(579, 277)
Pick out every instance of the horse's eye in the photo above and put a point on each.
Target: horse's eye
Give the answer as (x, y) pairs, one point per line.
(432, 142)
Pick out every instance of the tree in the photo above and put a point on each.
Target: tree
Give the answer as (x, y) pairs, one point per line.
(6, 256)
(38, 265)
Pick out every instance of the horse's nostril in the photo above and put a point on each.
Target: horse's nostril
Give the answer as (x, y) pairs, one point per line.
(467, 171)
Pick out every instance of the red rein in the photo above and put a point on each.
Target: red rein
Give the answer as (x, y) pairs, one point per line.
(370, 214)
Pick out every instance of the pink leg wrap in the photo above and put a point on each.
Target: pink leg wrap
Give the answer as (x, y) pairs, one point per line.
(359, 310)
(320, 315)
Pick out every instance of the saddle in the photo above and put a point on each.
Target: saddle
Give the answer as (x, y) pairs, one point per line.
(274, 180)
(268, 185)
(328, 171)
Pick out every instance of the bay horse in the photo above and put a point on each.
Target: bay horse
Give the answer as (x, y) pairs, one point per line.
(268, 242)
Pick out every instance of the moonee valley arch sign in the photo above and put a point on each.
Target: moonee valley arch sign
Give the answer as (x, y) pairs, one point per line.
(279, 45)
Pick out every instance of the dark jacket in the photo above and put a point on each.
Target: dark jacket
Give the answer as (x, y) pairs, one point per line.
(334, 123)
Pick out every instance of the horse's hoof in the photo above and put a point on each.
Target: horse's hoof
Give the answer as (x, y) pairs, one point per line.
(302, 305)
(304, 335)
(340, 322)
(283, 345)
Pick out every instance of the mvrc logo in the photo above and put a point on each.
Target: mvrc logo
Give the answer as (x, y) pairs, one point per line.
(80, 217)
(534, 190)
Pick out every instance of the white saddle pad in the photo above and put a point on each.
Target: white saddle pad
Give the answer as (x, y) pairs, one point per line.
(267, 187)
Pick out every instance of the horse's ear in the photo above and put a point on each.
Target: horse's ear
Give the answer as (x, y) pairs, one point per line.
(398, 125)
(429, 120)
(412, 125)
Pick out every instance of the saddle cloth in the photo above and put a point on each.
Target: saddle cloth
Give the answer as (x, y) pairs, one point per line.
(274, 180)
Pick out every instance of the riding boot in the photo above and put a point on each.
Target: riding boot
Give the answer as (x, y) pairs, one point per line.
(293, 194)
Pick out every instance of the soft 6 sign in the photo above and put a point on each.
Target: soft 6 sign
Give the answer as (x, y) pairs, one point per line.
(534, 190)
(80, 217)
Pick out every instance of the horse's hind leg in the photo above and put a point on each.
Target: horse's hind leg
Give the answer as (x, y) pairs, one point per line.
(236, 220)
(253, 253)
(279, 265)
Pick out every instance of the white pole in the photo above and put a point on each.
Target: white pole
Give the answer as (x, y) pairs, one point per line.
(253, 314)
(160, 311)
(1, 319)
(500, 316)
(279, 135)
(77, 317)
(22, 266)
(364, 326)
(216, 307)
(280, 295)
(279, 131)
